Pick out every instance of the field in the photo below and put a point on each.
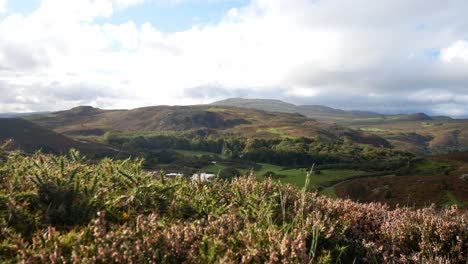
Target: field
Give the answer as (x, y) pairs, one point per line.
(294, 176)
(193, 153)
(430, 167)
(297, 177)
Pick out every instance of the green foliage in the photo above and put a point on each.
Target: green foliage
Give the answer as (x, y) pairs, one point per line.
(68, 209)
(229, 173)
(329, 192)
(275, 131)
(429, 167)
(280, 151)
(273, 175)
(450, 199)
(67, 191)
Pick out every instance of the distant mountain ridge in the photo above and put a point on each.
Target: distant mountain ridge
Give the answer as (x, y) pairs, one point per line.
(14, 115)
(281, 106)
(258, 118)
(320, 112)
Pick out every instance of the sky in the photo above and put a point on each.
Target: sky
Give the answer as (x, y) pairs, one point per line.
(389, 56)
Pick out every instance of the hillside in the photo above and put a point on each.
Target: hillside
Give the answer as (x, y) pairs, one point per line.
(31, 137)
(422, 137)
(418, 133)
(66, 209)
(260, 104)
(321, 113)
(88, 121)
(318, 112)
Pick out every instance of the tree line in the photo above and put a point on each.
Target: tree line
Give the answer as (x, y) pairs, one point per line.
(280, 151)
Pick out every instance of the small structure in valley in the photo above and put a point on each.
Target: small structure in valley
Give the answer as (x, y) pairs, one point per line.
(202, 176)
(174, 175)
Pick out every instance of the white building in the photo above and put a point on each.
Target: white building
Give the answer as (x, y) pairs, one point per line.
(174, 175)
(202, 176)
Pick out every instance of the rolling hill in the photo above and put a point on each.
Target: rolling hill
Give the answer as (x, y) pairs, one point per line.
(318, 112)
(208, 119)
(418, 133)
(324, 113)
(422, 137)
(31, 137)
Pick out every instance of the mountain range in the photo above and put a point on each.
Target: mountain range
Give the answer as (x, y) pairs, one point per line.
(195, 121)
(324, 113)
(418, 133)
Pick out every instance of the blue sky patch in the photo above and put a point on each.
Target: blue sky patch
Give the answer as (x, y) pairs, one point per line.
(176, 17)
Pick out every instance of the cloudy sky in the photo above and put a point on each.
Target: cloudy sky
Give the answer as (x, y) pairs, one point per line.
(390, 56)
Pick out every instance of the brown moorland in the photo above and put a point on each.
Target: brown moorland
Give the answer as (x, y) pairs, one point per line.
(220, 120)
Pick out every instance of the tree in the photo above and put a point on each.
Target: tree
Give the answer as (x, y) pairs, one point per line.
(229, 173)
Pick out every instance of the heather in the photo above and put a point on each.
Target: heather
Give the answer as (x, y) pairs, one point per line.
(68, 209)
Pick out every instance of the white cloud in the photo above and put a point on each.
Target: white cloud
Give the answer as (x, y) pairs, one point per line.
(305, 51)
(122, 4)
(456, 51)
(302, 92)
(124, 35)
(454, 110)
(57, 11)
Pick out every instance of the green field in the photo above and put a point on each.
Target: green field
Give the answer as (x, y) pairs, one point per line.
(429, 167)
(195, 153)
(372, 129)
(274, 131)
(329, 192)
(297, 176)
(214, 168)
(293, 176)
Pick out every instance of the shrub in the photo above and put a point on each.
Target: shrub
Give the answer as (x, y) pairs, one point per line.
(126, 215)
(272, 174)
(229, 173)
